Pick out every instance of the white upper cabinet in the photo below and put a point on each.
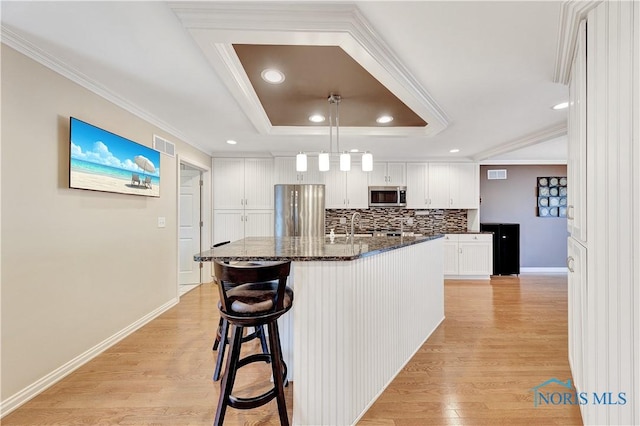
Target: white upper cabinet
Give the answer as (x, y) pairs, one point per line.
(417, 189)
(388, 174)
(438, 186)
(577, 143)
(464, 191)
(242, 183)
(346, 190)
(442, 186)
(285, 171)
(228, 183)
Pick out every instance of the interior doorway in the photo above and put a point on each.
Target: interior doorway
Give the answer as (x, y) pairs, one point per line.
(189, 227)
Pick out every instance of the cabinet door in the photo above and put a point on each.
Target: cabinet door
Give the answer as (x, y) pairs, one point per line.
(357, 191)
(312, 175)
(577, 143)
(463, 186)
(450, 247)
(258, 223)
(258, 183)
(378, 176)
(417, 197)
(228, 183)
(335, 183)
(577, 309)
(228, 225)
(474, 256)
(438, 184)
(396, 174)
(285, 171)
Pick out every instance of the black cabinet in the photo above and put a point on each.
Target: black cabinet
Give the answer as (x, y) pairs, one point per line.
(506, 247)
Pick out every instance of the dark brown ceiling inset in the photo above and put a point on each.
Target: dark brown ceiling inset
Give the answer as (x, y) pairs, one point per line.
(312, 73)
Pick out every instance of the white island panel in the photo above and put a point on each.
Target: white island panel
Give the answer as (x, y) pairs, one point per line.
(356, 323)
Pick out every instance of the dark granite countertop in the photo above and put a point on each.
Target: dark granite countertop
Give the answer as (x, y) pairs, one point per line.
(307, 249)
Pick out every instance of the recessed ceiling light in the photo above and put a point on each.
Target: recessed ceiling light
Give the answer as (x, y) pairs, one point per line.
(561, 105)
(272, 76)
(454, 150)
(316, 118)
(231, 142)
(383, 119)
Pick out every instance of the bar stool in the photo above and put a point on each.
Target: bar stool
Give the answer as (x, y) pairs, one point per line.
(223, 330)
(253, 296)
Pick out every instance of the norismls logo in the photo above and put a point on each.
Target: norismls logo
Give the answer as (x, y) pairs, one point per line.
(547, 393)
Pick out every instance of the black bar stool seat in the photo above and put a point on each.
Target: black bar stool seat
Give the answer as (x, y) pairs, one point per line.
(253, 296)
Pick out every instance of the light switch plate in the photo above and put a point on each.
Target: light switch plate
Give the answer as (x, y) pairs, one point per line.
(162, 222)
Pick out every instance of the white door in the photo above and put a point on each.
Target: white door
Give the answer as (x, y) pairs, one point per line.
(189, 237)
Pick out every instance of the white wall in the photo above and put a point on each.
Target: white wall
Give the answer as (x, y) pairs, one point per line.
(78, 267)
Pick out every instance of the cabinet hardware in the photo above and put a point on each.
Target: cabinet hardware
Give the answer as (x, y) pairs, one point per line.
(570, 263)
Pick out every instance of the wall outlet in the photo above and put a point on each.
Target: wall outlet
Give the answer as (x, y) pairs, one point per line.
(343, 220)
(410, 221)
(162, 222)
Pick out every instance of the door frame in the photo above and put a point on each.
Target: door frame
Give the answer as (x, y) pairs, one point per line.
(205, 214)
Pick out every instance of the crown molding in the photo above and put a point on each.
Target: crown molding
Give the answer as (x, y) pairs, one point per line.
(528, 162)
(571, 13)
(543, 135)
(216, 25)
(15, 41)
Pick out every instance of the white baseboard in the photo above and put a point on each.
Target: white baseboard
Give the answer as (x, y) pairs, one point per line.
(544, 270)
(19, 398)
(467, 277)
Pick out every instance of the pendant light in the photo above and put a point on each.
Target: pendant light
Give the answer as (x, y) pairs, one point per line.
(324, 157)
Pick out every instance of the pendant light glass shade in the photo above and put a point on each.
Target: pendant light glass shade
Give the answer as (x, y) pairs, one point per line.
(345, 162)
(323, 162)
(367, 162)
(301, 162)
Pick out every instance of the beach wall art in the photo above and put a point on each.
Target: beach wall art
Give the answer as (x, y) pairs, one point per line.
(103, 161)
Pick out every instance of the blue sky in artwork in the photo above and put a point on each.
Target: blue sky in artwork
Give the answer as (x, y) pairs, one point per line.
(90, 143)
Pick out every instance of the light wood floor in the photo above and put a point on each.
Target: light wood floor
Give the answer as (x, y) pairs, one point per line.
(499, 340)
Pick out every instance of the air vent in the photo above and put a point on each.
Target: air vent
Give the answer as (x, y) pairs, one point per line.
(164, 146)
(496, 174)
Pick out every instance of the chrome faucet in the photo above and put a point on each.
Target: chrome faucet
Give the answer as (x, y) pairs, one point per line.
(353, 217)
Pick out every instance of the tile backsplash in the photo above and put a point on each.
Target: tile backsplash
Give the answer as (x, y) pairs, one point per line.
(388, 219)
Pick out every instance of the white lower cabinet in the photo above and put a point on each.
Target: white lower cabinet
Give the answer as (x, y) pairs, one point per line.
(468, 256)
(232, 225)
(577, 309)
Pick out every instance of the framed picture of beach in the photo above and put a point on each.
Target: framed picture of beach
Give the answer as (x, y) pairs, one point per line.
(103, 161)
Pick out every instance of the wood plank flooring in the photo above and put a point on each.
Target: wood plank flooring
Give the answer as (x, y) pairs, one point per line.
(499, 340)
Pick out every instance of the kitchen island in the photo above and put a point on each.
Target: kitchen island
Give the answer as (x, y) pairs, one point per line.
(361, 309)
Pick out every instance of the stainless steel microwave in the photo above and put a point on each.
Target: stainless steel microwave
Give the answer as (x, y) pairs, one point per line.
(387, 196)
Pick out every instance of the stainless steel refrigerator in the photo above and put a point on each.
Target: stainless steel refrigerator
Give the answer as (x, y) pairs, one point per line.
(299, 210)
